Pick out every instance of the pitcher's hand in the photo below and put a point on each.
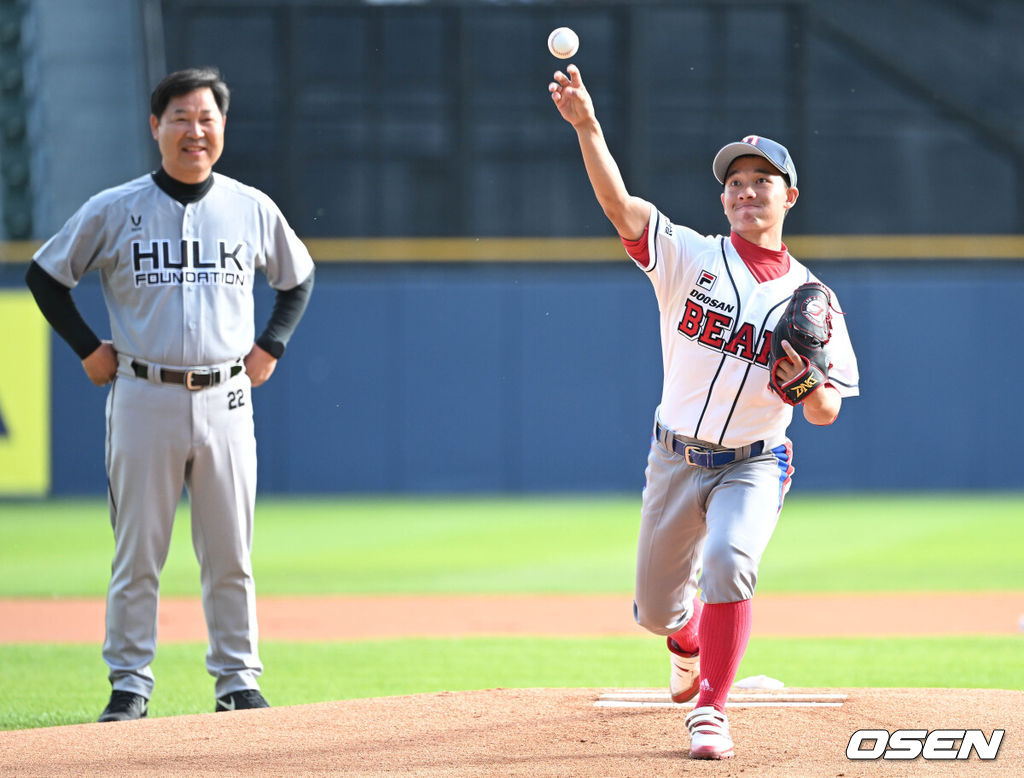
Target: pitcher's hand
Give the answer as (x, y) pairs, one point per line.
(572, 98)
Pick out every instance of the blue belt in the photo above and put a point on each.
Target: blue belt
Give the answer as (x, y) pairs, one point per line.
(700, 456)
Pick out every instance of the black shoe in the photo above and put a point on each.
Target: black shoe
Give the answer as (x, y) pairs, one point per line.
(243, 700)
(125, 706)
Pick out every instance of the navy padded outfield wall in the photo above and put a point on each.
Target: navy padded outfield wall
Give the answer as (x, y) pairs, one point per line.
(501, 377)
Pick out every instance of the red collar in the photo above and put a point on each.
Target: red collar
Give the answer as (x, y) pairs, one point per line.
(764, 264)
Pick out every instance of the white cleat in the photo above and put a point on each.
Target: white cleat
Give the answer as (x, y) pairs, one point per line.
(684, 680)
(709, 734)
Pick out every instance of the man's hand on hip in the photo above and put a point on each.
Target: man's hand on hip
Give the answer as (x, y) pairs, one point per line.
(101, 364)
(259, 365)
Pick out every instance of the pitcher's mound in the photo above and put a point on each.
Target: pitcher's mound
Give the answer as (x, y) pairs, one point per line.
(524, 732)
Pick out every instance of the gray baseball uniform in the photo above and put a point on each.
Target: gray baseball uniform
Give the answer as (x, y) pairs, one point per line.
(177, 278)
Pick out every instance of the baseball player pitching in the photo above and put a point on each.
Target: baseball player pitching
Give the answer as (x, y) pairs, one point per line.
(743, 343)
(177, 252)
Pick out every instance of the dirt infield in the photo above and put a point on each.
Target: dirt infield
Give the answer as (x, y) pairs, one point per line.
(368, 617)
(531, 732)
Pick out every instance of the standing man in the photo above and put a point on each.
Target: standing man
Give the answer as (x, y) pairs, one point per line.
(720, 461)
(177, 251)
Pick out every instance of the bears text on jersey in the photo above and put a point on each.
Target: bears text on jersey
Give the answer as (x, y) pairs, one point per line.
(711, 328)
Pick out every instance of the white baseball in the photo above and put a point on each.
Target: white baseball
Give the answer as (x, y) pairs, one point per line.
(563, 42)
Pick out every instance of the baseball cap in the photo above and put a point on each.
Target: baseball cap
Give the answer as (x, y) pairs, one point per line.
(774, 152)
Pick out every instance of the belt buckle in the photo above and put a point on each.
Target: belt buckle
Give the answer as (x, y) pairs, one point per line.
(189, 375)
(690, 450)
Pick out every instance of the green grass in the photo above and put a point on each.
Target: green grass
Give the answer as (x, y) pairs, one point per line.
(911, 542)
(955, 542)
(315, 546)
(824, 543)
(52, 685)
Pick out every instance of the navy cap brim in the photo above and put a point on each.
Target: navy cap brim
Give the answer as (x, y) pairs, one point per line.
(733, 151)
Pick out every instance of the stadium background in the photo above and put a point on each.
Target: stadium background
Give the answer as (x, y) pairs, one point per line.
(475, 327)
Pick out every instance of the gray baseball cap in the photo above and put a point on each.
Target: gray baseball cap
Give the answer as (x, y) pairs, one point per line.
(774, 152)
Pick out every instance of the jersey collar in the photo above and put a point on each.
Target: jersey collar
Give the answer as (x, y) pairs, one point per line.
(179, 190)
(764, 264)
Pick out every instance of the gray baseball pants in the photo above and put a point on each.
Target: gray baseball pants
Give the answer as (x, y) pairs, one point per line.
(159, 439)
(703, 527)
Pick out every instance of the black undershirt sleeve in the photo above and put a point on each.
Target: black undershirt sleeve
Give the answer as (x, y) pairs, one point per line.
(289, 305)
(55, 302)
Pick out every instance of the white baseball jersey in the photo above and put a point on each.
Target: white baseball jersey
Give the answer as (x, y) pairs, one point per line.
(169, 271)
(716, 328)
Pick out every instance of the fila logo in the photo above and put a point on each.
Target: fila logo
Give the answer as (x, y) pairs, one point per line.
(752, 139)
(706, 280)
(136, 221)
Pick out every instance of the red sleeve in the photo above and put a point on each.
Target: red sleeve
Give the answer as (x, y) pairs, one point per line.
(637, 249)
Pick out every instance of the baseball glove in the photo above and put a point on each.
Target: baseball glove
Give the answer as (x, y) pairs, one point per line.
(807, 325)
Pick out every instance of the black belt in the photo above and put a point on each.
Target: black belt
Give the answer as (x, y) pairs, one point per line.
(193, 380)
(700, 456)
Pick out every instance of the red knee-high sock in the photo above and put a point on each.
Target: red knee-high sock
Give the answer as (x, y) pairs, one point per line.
(724, 632)
(687, 637)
